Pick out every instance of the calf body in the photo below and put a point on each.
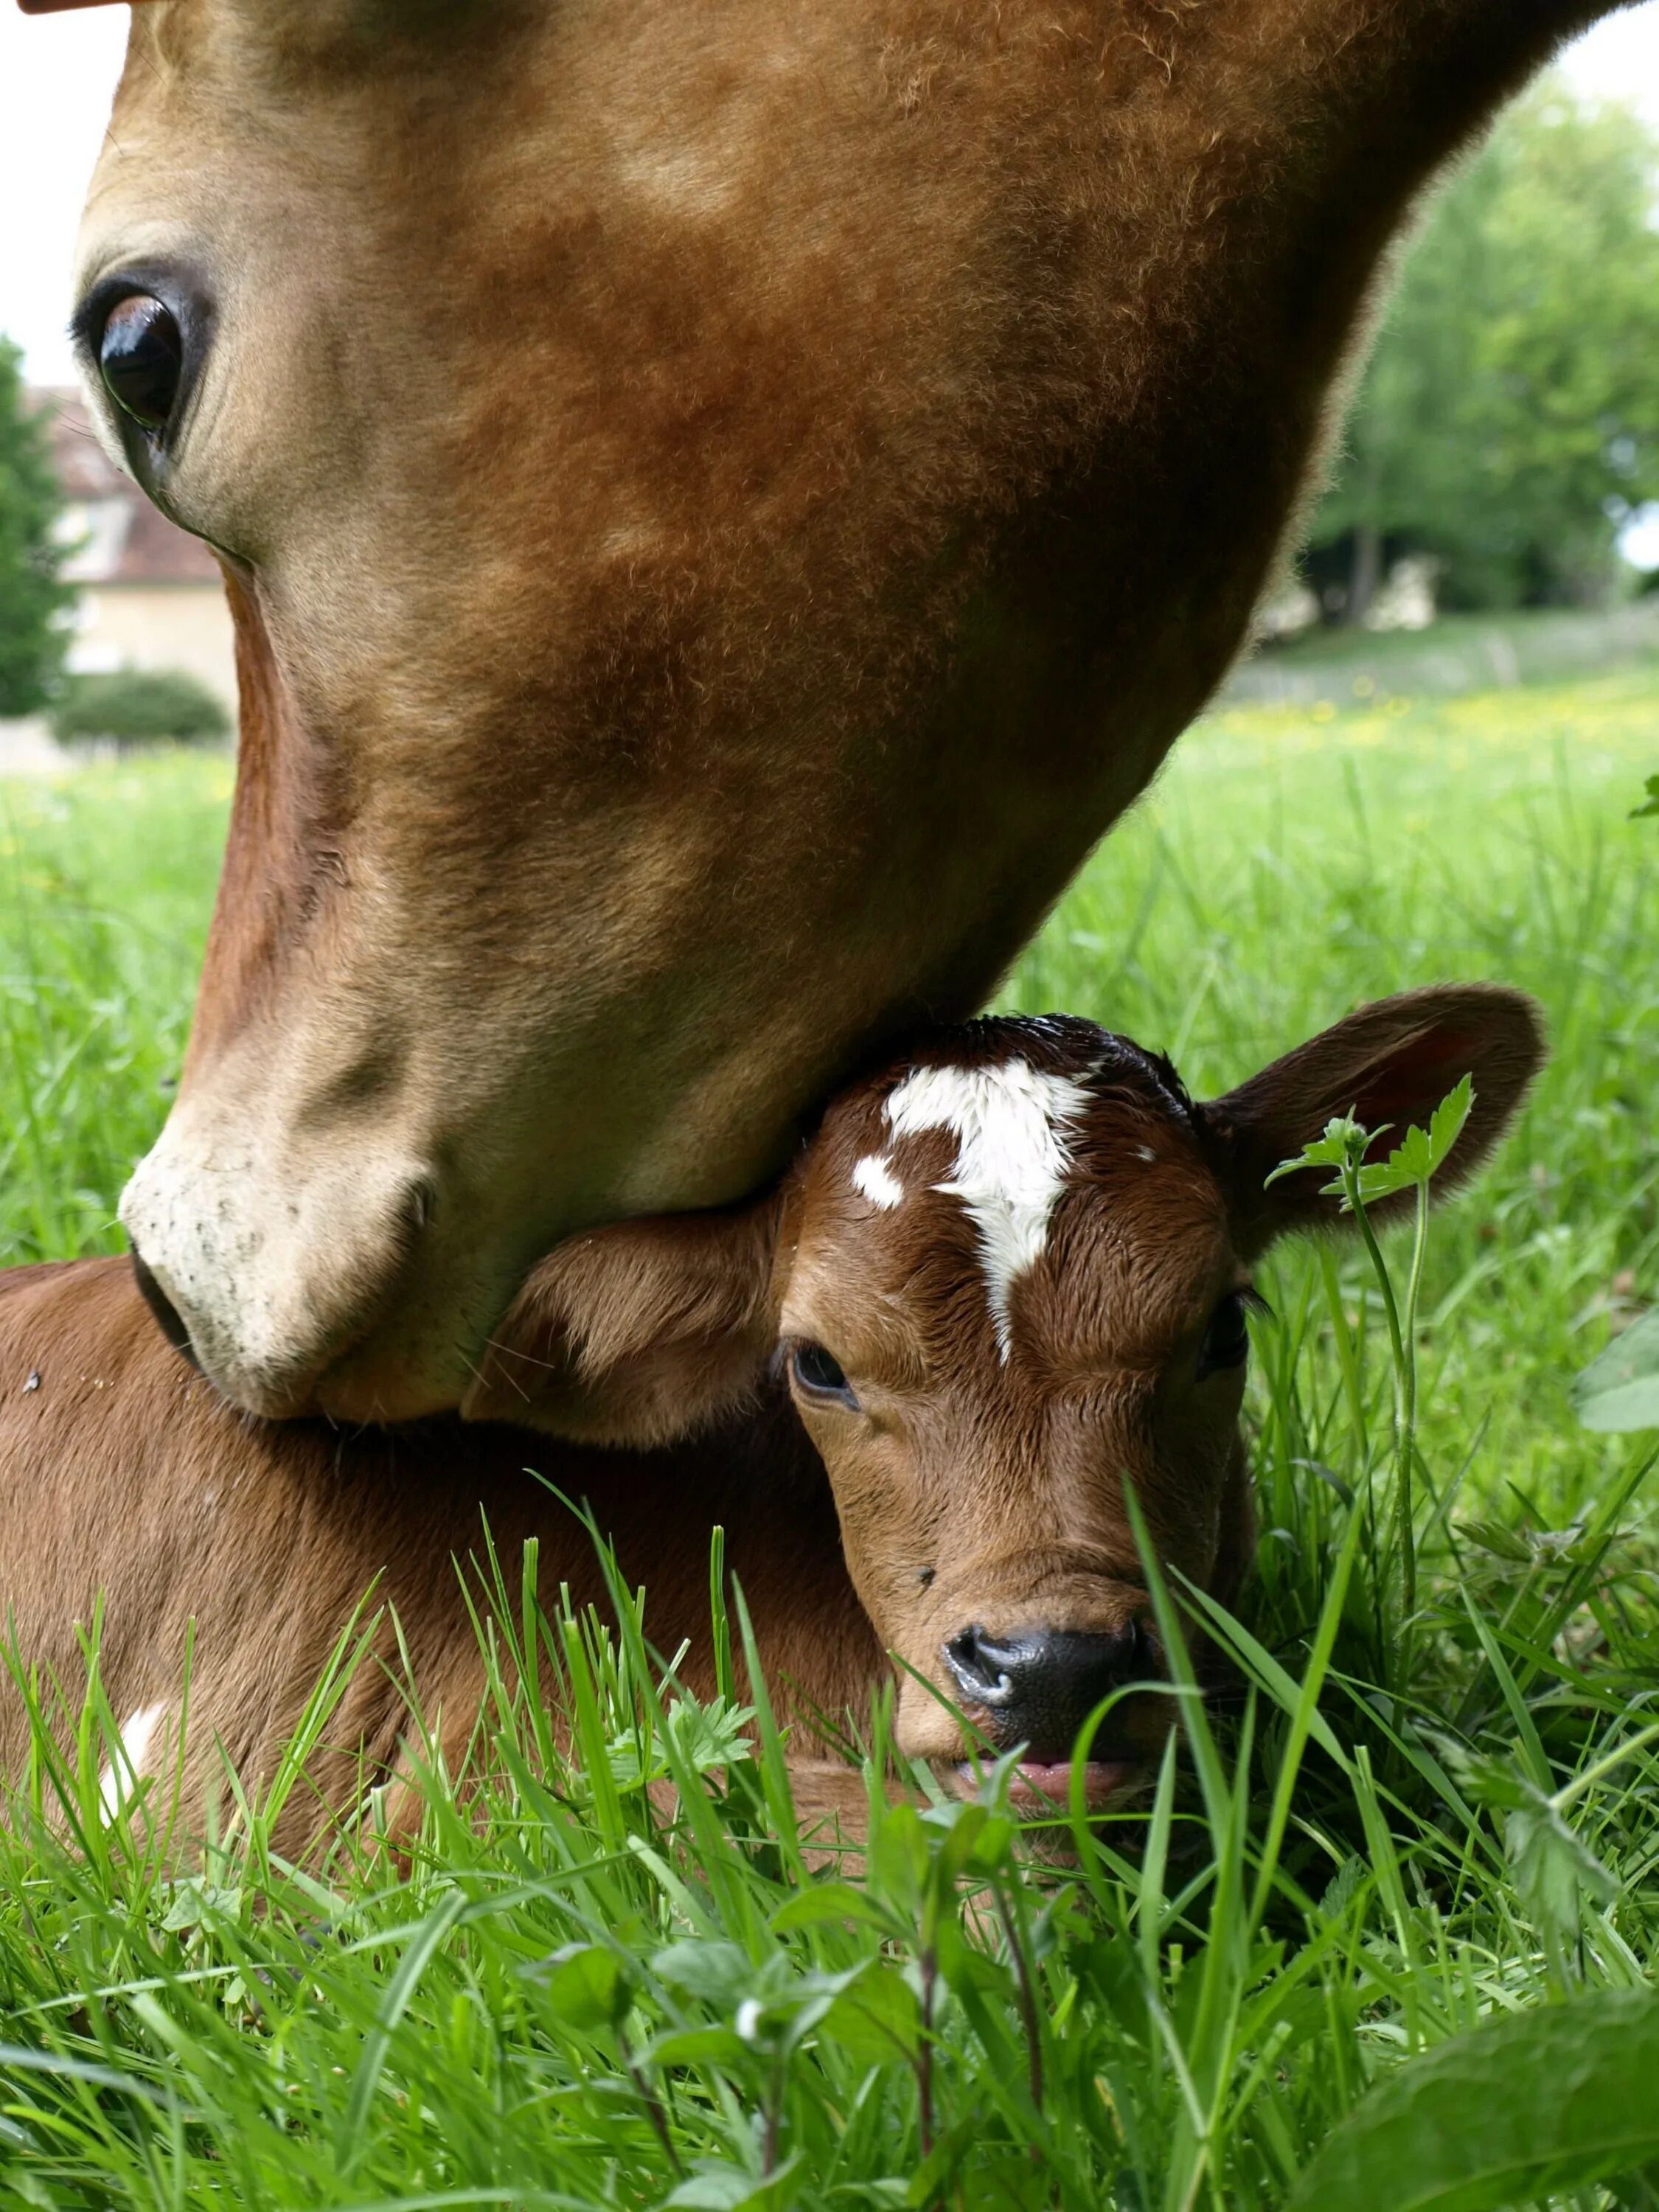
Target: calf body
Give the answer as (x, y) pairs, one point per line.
(123, 1475)
(1003, 1283)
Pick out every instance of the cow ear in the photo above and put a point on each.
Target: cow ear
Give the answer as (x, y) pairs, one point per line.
(1388, 1066)
(637, 1334)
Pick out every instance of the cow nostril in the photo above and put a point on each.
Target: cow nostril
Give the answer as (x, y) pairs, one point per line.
(420, 1202)
(168, 1318)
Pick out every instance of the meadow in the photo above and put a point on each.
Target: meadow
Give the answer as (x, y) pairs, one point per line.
(1384, 1934)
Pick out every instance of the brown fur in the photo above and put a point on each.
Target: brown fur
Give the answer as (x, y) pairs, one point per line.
(725, 505)
(970, 1489)
(124, 1474)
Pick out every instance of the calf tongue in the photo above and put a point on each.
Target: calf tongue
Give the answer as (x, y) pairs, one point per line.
(1041, 1786)
(1040, 1778)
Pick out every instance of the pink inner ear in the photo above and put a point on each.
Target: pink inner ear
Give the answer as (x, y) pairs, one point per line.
(1411, 1083)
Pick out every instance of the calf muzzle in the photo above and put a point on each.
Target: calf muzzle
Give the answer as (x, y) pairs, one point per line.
(1038, 1686)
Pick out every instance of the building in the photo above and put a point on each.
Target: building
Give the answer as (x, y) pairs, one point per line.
(148, 595)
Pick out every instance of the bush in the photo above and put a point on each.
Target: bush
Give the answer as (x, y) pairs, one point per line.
(134, 705)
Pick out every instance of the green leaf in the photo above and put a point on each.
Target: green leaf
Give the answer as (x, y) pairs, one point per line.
(1503, 1543)
(720, 1973)
(877, 2019)
(584, 1984)
(1550, 1863)
(829, 1900)
(1419, 1154)
(1414, 1160)
(898, 1856)
(699, 2046)
(714, 2186)
(707, 1738)
(1552, 2099)
(199, 1903)
(1650, 806)
(1343, 1139)
(1621, 1390)
(1447, 1122)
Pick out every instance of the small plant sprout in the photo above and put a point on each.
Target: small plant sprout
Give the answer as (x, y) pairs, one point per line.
(1360, 1184)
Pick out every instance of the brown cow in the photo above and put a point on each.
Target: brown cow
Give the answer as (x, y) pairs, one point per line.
(723, 506)
(1004, 1273)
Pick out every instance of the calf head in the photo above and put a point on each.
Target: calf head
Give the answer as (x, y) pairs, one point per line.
(1006, 1278)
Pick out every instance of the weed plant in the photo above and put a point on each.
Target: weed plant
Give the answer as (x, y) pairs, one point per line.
(1383, 1930)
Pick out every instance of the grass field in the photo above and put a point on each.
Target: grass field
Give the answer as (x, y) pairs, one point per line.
(1457, 654)
(1399, 1898)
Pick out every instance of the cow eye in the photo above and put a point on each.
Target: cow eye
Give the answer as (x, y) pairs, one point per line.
(141, 358)
(819, 1375)
(1227, 1339)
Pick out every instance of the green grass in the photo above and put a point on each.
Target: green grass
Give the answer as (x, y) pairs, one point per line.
(1433, 1841)
(106, 884)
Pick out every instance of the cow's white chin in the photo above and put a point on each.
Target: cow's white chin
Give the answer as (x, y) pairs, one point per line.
(1041, 1788)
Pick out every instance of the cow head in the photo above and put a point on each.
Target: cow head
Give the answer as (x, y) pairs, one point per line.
(722, 507)
(1006, 1274)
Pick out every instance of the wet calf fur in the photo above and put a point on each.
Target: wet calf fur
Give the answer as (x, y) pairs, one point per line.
(1007, 1272)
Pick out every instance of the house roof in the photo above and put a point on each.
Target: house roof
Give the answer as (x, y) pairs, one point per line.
(116, 536)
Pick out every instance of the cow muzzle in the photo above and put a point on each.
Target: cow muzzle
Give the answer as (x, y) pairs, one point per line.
(236, 1285)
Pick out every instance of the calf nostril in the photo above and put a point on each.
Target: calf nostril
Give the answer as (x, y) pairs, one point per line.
(981, 1667)
(1042, 1685)
(168, 1317)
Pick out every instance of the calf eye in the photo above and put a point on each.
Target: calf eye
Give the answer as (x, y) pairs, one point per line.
(1227, 1339)
(819, 1375)
(141, 356)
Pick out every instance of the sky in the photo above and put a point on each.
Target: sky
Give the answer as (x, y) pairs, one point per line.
(56, 73)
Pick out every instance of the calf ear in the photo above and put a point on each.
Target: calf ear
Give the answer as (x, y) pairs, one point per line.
(1389, 1064)
(637, 1334)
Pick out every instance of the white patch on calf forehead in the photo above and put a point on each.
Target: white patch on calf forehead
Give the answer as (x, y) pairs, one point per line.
(1011, 1126)
(877, 1183)
(119, 1778)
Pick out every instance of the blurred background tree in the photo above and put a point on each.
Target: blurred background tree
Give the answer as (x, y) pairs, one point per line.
(32, 643)
(1508, 422)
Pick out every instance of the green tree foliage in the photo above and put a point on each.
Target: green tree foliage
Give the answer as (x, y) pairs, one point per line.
(31, 645)
(1509, 418)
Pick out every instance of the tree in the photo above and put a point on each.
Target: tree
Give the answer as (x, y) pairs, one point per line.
(31, 594)
(1509, 418)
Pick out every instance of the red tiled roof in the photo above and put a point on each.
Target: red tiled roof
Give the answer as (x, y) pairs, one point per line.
(151, 550)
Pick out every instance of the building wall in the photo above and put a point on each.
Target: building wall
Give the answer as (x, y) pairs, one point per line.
(156, 626)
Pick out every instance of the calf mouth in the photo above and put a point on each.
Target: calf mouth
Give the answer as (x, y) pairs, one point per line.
(1033, 1691)
(1043, 1789)
(1050, 1780)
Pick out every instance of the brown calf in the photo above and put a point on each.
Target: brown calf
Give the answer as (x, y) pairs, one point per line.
(1007, 1272)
